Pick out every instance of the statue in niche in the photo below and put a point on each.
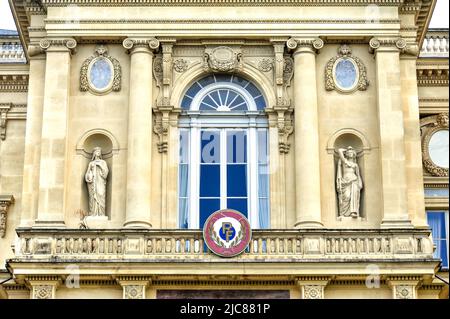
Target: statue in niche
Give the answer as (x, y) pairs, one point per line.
(96, 177)
(348, 183)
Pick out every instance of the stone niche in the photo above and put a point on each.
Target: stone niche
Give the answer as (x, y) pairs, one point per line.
(108, 144)
(343, 140)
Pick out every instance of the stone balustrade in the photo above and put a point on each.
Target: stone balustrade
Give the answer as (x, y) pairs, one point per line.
(184, 245)
(11, 52)
(435, 45)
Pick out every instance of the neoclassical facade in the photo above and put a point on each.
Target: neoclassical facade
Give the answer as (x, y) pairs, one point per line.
(125, 124)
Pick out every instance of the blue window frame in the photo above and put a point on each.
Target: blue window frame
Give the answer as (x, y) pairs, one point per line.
(438, 221)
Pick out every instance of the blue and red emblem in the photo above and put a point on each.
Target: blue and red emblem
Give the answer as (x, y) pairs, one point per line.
(227, 233)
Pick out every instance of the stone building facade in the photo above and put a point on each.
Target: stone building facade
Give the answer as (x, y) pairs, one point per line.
(148, 81)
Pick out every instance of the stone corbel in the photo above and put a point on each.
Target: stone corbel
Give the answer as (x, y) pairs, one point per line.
(134, 287)
(166, 77)
(4, 109)
(43, 287)
(5, 202)
(132, 44)
(312, 287)
(66, 44)
(161, 128)
(284, 124)
(404, 287)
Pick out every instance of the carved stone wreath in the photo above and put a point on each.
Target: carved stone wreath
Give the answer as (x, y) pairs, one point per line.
(180, 65)
(85, 83)
(440, 122)
(345, 52)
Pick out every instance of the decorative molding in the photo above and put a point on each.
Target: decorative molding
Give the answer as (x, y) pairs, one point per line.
(429, 126)
(116, 77)
(133, 43)
(432, 76)
(161, 128)
(404, 292)
(222, 59)
(14, 83)
(345, 52)
(4, 109)
(5, 202)
(376, 44)
(265, 65)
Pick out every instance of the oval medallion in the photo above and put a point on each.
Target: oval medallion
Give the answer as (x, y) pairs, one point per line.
(227, 233)
(346, 74)
(438, 148)
(101, 74)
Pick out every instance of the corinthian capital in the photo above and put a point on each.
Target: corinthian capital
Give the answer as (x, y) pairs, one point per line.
(313, 44)
(64, 44)
(146, 43)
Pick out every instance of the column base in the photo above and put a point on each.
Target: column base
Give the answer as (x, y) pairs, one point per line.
(396, 223)
(308, 224)
(58, 224)
(137, 224)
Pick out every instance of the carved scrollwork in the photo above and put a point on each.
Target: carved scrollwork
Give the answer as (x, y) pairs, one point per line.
(5, 202)
(101, 53)
(265, 65)
(430, 126)
(222, 59)
(345, 54)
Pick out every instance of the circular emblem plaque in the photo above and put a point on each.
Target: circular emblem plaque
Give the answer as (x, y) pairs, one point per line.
(227, 233)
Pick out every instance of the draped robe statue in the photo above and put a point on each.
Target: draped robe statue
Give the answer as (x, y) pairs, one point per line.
(348, 183)
(96, 177)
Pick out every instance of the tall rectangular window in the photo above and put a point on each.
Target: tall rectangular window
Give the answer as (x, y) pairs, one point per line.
(438, 221)
(183, 179)
(263, 179)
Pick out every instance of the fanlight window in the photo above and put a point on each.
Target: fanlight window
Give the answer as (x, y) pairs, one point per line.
(223, 93)
(224, 160)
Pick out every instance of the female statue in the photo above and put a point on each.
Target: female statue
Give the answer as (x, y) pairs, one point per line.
(348, 183)
(95, 177)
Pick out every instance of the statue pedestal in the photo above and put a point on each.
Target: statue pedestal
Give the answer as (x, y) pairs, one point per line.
(96, 222)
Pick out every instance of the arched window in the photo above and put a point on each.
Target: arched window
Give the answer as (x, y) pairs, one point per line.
(224, 160)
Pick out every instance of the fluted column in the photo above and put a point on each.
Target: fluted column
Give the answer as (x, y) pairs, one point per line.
(307, 164)
(32, 156)
(54, 132)
(391, 132)
(140, 122)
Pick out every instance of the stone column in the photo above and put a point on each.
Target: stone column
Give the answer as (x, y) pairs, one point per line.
(307, 164)
(391, 132)
(43, 287)
(404, 287)
(32, 156)
(51, 208)
(413, 143)
(134, 287)
(140, 130)
(313, 288)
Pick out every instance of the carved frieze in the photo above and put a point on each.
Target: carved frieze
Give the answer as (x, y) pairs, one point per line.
(222, 59)
(435, 144)
(100, 73)
(345, 72)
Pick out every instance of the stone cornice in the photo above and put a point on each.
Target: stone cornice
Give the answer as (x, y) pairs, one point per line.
(117, 3)
(13, 83)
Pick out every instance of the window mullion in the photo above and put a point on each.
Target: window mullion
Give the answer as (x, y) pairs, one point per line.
(252, 161)
(223, 169)
(194, 218)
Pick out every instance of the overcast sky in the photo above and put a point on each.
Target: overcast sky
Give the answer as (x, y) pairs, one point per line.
(439, 20)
